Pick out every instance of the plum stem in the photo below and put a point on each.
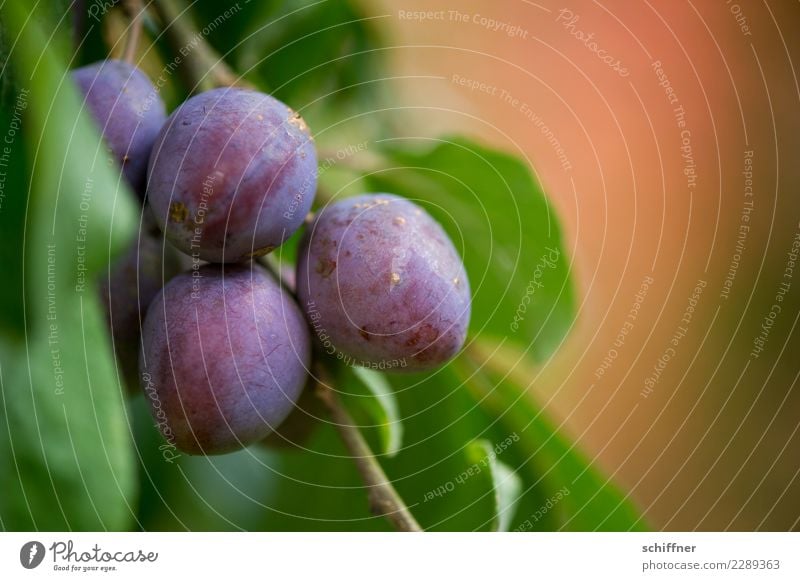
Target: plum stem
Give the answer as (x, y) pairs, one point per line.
(383, 498)
(204, 69)
(135, 10)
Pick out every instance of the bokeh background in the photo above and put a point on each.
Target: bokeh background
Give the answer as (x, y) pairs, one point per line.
(715, 445)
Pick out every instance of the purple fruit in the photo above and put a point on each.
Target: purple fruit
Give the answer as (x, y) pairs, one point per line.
(129, 286)
(232, 175)
(128, 110)
(224, 357)
(382, 285)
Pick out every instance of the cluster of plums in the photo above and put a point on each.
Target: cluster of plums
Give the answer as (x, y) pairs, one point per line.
(224, 350)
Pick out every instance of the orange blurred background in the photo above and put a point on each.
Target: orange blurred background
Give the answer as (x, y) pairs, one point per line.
(713, 442)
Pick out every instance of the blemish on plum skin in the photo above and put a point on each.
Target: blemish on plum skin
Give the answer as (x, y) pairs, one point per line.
(399, 221)
(297, 121)
(427, 334)
(178, 212)
(325, 267)
(364, 334)
(394, 279)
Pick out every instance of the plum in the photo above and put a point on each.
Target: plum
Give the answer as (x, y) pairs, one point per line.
(232, 175)
(225, 353)
(129, 286)
(382, 285)
(128, 110)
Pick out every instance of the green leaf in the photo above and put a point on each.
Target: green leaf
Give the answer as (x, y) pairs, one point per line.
(446, 480)
(379, 402)
(313, 486)
(65, 454)
(318, 489)
(12, 205)
(505, 228)
(226, 24)
(578, 495)
(310, 49)
(87, 19)
(506, 484)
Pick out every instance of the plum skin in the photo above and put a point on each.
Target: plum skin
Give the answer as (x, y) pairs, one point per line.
(128, 288)
(128, 110)
(224, 359)
(232, 175)
(380, 279)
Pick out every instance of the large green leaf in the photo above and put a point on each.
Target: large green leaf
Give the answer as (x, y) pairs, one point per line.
(503, 225)
(226, 24)
(318, 489)
(448, 478)
(311, 486)
(579, 497)
(65, 455)
(313, 48)
(13, 105)
(315, 488)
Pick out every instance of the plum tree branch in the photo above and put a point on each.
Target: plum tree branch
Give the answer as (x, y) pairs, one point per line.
(204, 68)
(383, 498)
(135, 10)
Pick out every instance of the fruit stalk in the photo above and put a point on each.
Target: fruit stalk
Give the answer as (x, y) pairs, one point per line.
(135, 10)
(383, 498)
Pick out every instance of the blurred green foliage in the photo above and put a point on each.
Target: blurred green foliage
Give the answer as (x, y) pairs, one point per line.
(65, 451)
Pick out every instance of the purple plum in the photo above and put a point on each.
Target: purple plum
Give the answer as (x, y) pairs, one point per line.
(382, 285)
(232, 175)
(224, 359)
(129, 286)
(128, 111)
